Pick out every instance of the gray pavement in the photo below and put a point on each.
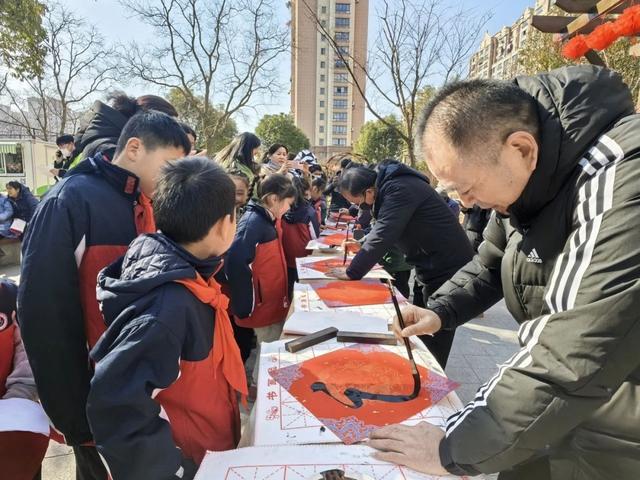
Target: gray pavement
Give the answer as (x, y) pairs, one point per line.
(478, 348)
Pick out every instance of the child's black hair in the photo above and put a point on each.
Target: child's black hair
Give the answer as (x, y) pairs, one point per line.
(278, 185)
(155, 130)
(320, 183)
(302, 186)
(64, 139)
(191, 196)
(188, 130)
(15, 185)
(242, 177)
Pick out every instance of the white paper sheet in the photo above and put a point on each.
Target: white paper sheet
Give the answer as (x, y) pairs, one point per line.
(282, 420)
(302, 463)
(306, 271)
(303, 323)
(21, 415)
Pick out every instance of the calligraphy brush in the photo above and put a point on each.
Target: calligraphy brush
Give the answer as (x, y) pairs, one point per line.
(346, 249)
(414, 368)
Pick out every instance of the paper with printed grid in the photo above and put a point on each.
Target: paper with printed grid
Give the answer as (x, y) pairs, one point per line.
(283, 420)
(303, 463)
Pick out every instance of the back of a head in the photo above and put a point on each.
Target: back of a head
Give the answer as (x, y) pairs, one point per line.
(344, 163)
(64, 139)
(155, 130)
(239, 149)
(8, 297)
(478, 112)
(192, 195)
(320, 183)
(189, 130)
(129, 106)
(302, 187)
(357, 180)
(279, 185)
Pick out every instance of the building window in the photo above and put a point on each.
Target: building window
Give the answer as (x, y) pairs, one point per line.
(323, 23)
(344, 50)
(323, 9)
(343, 8)
(341, 77)
(323, 38)
(322, 116)
(342, 23)
(340, 64)
(340, 117)
(323, 64)
(340, 104)
(322, 142)
(322, 78)
(11, 160)
(340, 142)
(342, 36)
(323, 51)
(322, 129)
(341, 91)
(340, 129)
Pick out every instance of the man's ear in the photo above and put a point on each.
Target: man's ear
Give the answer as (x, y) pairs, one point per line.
(527, 147)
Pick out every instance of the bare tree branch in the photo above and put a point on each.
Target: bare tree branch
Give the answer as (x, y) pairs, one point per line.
(418, 44)
(217, 53)
(76, 67)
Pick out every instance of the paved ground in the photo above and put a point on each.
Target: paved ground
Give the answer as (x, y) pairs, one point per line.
(478, 347)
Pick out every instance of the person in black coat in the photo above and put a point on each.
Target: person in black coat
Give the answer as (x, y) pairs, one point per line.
(23, 201)
(409, 214)
(474, 223)
(101, 133)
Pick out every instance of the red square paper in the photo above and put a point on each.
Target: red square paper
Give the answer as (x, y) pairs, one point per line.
(369, 368)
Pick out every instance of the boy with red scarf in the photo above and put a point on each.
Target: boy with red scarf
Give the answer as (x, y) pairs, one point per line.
(82, 225)
(168, 368)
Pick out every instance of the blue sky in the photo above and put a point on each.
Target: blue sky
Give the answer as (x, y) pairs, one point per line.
(116, 24)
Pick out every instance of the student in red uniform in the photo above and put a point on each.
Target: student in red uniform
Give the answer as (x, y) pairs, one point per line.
(83, 224)
(255, 265)
(168, 369)
(21, 453)
(300, 225)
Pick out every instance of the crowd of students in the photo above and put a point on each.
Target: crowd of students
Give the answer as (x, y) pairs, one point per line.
(195, 263)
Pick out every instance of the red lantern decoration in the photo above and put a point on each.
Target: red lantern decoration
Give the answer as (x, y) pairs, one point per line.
(602, 36)
(626, 25)
(575, 48)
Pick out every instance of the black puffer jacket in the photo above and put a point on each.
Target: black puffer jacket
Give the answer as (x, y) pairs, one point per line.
(101, 133)
(567, 263)
(411, 215)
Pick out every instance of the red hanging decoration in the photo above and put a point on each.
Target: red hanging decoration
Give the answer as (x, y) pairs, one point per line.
(602, 36)
(575, 48)
(626, 25)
